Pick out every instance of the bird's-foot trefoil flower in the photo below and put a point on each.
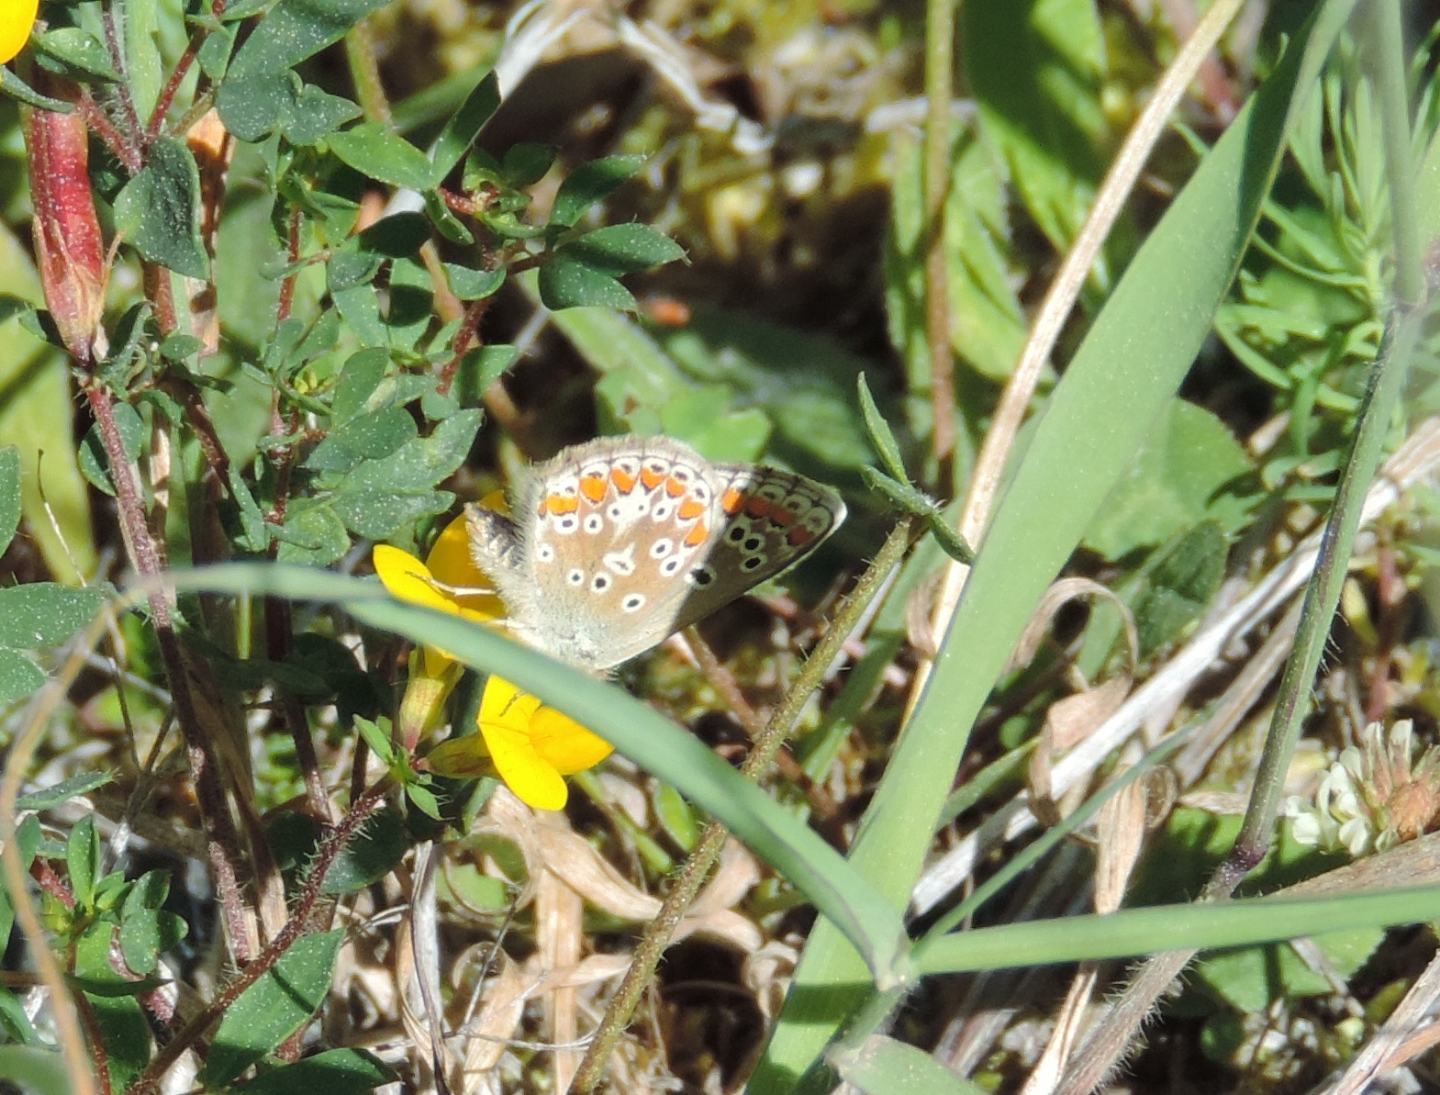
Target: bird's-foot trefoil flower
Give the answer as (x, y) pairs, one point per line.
(528, 745)
(17, 17)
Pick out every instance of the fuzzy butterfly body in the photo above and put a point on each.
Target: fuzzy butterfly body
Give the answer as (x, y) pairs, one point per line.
(617, 543)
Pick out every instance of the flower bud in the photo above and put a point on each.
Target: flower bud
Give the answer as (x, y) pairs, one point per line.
(68, 246)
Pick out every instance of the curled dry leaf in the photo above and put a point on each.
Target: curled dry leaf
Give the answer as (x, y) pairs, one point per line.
(1068, 722)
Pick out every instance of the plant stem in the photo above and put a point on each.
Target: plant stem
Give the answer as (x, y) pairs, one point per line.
(939, 63)
(221, 841)
(295, 926)
(1386, 69)
(695, 870)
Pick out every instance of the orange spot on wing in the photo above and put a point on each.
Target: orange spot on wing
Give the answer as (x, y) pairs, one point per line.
(758, 507)
(674, 488)
(731, 501)
(651, 479)
(623, 480)
(593, 487)
(799, 536)
(690, 509)
(697, 535)
(782, 516)
(560, 503)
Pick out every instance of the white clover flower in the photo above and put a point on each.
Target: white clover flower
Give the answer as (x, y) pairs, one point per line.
(1371, 798)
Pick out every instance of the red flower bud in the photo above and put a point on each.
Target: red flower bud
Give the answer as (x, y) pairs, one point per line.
(68, 246)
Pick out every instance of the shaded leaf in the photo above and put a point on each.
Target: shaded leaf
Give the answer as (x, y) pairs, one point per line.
(334, 1071)
(9, 495)
(43, 614)
(570, 282)
(380, 154)
(159, 212)
(274, 1007)
(589, 183)
(623, 249)
(464, 125)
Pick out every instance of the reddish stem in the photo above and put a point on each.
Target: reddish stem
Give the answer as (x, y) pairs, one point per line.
(325, 857)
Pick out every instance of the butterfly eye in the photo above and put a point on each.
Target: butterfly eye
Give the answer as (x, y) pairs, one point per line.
(662, 511)
(545, 553)
(754, 543)
(594, 523)
(661, 548)
(670, 566)
(600, 583)
(753, 562)
(576, 577)
(633, 603)
(566, 523)
(736, 534)
(701, 576)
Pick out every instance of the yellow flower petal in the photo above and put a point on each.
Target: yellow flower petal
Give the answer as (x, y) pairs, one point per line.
(407, 578)
(533, 746)
(534, 782)
(17, 17)
(565, 744)
(449, 561)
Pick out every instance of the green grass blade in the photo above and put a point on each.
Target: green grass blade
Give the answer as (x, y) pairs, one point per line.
(872, 925)
(1126, 371)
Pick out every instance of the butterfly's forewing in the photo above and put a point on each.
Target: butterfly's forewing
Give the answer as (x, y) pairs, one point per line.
(615, 527)
(624, 541)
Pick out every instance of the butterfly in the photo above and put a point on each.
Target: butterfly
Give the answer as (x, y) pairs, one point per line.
(617, 543)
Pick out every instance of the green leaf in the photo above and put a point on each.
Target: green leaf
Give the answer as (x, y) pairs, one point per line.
(382, 515)
(424, 800)
(588, 184)
(396, 236)
(1171, 484)
(468, 284)
(569, 282)
(9, 495)
(882, 440)
(369, 856)
(1179, 585)
(481, 367)
(93, 460)
(274, 1007)
(45, 614)
(313, 534)
(423, 461)
(158, 211)
(256, 90)
(380, 154)
(146, 934)
(524, 164)
(1036, 71)
(18, 89)
(377, 737)
(623, 249)
(47, 798)
(19, 676)
(143, 69)
(315, 114)
(463, 127)
(886, 1066)
(333, 1071)
(82, 860)
(33, 1068)
(77, 49)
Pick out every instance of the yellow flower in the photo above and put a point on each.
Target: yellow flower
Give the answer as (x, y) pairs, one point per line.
(449, 564)
(530, 746)
(16, 19)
